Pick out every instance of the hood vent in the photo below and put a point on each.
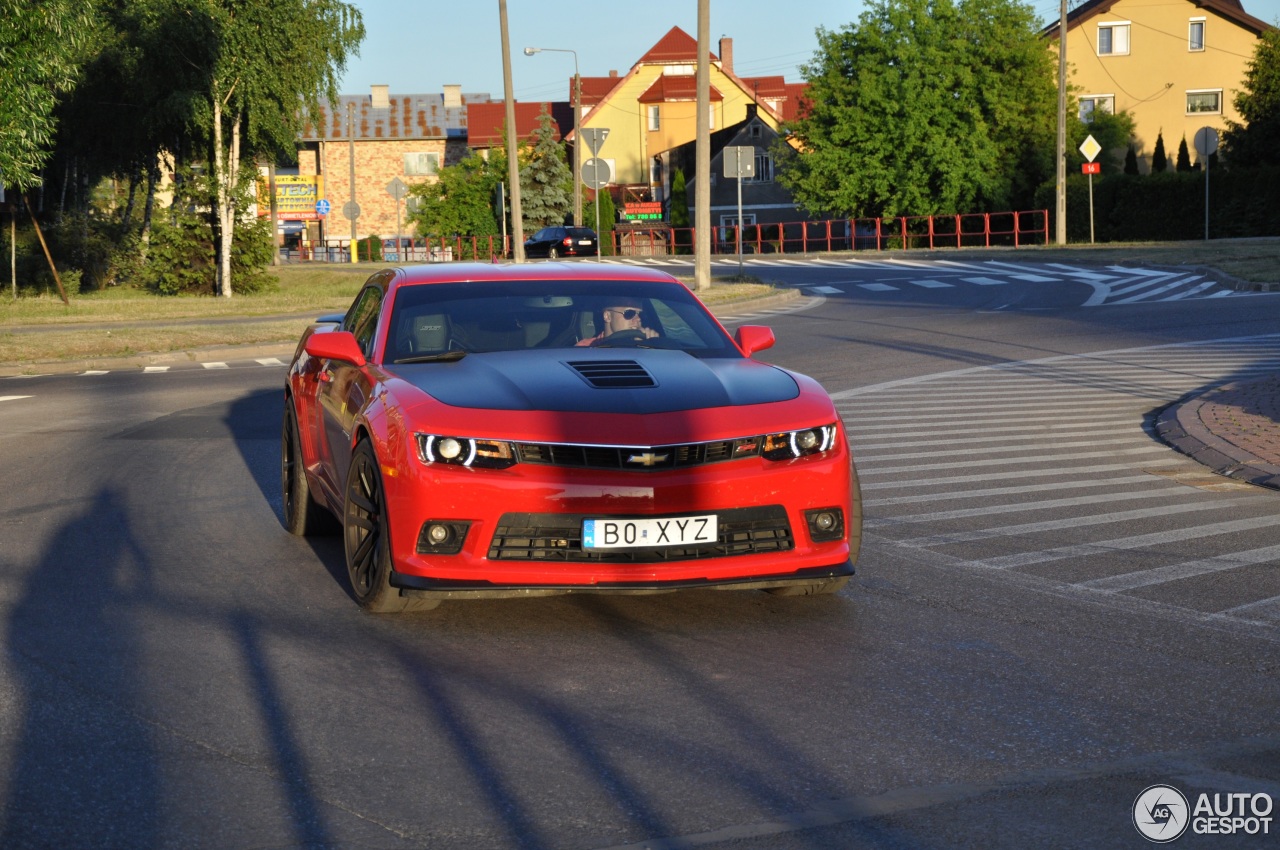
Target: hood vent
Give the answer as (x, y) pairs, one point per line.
(613, 374)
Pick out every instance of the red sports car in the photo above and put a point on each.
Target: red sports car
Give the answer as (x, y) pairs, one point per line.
(490, 430)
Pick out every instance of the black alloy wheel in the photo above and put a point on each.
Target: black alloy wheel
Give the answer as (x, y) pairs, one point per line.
(366, 538)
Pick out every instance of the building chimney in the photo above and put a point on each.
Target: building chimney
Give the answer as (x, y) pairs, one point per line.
(613, 73)
(452, 96)
(726, 54)
(380, 97)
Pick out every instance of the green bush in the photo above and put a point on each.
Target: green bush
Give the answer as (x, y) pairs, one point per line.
(1169, 206)
(370, 249)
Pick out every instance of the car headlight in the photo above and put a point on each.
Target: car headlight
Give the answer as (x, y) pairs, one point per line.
(792, 444)
(465, 451)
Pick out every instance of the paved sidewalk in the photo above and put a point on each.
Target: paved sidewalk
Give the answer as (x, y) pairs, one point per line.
(1233, 429)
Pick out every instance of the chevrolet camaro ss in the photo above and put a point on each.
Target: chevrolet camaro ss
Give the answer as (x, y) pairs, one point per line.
(510, 430)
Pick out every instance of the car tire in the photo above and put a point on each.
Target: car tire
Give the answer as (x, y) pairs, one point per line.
(367, 541)
(553, 253)
(302, 515)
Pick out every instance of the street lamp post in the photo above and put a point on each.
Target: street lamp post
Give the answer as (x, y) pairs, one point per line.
(577, 139)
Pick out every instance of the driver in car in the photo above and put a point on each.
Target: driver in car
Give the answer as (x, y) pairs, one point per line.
(623, 316)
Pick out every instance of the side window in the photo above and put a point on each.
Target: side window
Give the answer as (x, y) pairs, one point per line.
(362, 319)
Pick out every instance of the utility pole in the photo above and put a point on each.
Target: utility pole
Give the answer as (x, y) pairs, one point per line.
(513, 152)
(1060, 212)
(702, 154)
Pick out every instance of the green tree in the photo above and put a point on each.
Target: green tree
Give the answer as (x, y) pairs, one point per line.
(463, 201)
(251, 70)
(546, 183)
(1159, 160)
(41, 43)
(1184, 156)
(678, 213)
(1131, 161)
(608, 218)
(1113, 131)
(1257, 141)
(925, 106)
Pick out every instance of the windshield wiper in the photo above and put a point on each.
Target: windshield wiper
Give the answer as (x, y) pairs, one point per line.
(456, 354)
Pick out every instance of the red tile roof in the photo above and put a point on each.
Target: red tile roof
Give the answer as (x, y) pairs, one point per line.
(672, 87)
(486, 122)
(676, 46)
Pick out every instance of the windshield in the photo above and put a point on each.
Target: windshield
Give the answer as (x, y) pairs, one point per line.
(477, 317)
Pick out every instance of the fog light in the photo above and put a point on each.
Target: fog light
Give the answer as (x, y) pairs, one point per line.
(439, 537)
(825, 524)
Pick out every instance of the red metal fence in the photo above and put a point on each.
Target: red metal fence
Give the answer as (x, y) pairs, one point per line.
(1005, 229)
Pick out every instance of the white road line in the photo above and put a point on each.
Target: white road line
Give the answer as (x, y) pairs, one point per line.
(215, 365)
(1193, 291)
(1063, 410)
(1036, 278)
(826, 290)
(1008, 475)
(1003, 439)
(987, 281)
(1020, 489)
(155, 369)
(1044, 505)
(1269, 609)
(868, 466)
(92, 372)
(270, 361)
(1083, 274)
(1187, 569)
(1142, 296)
(1139, 541)
(1125, 439)
(1065, 523)
(878, 287)
(1140, 272)
(13, 397)
(931, 284)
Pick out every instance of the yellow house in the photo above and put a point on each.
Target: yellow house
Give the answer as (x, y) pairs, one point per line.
(1174, 65)
(652, 108)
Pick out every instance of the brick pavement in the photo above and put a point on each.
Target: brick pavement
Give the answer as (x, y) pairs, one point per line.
(1233, 429)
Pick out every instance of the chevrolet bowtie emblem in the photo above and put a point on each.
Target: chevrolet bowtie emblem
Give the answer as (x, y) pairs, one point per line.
(647, 459)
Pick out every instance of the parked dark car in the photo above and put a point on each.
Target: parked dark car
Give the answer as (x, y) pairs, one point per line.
(556, 242)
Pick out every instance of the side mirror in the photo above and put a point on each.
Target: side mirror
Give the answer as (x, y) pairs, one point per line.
(335, 345)
(753, 338)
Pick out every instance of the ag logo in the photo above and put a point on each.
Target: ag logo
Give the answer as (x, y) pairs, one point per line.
(1161, 813)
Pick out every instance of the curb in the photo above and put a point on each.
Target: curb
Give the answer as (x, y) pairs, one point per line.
(283, 350)
(1181, 426)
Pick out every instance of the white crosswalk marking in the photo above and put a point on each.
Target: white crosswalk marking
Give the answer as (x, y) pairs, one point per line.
(1047, 469)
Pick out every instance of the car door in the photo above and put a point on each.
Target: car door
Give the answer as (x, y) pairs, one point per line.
(345, 387)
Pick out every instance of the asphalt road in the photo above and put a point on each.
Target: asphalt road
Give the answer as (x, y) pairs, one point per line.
(1052, 612)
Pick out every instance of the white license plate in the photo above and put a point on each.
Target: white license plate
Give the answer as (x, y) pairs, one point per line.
(584, 241)
(648, 533)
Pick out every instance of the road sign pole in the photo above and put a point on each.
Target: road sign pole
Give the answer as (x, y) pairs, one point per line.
(1090, 207)
(739, 152)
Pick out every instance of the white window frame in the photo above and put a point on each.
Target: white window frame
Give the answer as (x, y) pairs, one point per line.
(1217, 93)
(764, 168)
(1114, 28)
(1107, 102)
(654, 113)
(1194, 24)
(421, 164)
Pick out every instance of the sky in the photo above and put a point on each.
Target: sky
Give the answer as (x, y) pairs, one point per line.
(418, 47)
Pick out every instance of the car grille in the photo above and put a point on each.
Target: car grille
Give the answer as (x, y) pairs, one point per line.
(638, 459)
(558, 537)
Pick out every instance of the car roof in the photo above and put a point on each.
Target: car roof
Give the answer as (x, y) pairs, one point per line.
(468, 272)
